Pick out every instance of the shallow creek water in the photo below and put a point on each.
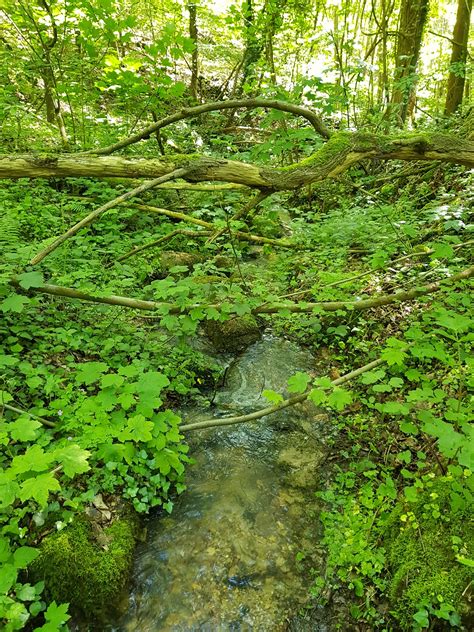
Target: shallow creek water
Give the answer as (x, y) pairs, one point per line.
(226, 557)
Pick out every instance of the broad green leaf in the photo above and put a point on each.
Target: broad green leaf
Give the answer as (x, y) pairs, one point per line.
(318, 396)
(73, 459)
(35, 459)
(408, 428)
(57, 615)
(339, 398)
(24, 429)
(24, 555)
(14, 303)
(411, 494)
(372, 376)
(7, 578)
(298, 383)
(111, 379)
(442, 251)
(90, 372)
(395, 408)
(272, 396)
(30, 279)
(139, 429)
(39, 487)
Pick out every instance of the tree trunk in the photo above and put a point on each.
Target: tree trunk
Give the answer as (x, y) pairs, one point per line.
(457, 69)
(336, 156)
(412, 20)
(193, 34)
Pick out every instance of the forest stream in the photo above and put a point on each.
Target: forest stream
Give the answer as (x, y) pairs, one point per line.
(226, 558)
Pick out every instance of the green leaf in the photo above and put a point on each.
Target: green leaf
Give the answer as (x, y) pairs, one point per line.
(7, 578)
(372, 376)
(90, 372)
(318, 396)
(24, 555)
(57, 615)
(24, 429)
(272, 396)
(408, 428)
(442, 251)
(38, 488)
(35, 459)
(394, 353)
(111, 379)
(298, 383)
(139, 429)
(395, 408)
(14, 303)
(411, 494)
(30, 279)
(73, 459)
(339, 398)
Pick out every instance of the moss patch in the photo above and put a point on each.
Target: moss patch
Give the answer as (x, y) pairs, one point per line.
(233, 335)
(80, 571)
(421, 556)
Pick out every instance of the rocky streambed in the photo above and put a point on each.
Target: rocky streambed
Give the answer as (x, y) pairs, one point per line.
(230, 555)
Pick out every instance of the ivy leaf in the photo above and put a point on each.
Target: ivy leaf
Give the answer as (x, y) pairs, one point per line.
(73, 459)
(24, 555)
(411, 494)
(30, 279)
(14, 303)
(273, 397)
(24, 429)
(298, 382)
(7, 578)
(38, 488)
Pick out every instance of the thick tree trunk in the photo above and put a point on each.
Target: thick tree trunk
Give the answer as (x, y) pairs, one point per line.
(336, 156)
(457, 72)
(413, 15)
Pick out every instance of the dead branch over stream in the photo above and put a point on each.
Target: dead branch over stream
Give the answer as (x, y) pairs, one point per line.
(266, 308)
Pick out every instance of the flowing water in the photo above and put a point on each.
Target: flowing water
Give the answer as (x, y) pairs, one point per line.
(226, 557)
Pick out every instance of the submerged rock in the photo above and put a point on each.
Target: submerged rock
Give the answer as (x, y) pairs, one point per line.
(233, 335)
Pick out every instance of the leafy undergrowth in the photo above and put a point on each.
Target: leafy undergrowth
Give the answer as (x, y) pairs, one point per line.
(88, 390)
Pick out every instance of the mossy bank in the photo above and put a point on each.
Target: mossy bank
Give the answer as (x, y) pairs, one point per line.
(88, 566)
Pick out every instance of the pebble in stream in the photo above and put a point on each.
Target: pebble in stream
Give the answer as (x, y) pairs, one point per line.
(226, 557)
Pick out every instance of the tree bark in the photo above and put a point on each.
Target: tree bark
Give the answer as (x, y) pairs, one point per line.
(457, 72)
(412, 20)
(193, 34)
(343, 150)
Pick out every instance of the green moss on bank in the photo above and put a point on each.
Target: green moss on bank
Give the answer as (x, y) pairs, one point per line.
(89, 572)
(422, 544)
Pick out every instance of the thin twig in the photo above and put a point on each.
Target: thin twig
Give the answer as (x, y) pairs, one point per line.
(177, 173)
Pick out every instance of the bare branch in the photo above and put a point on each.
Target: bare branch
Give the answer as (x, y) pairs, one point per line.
(248, 104)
